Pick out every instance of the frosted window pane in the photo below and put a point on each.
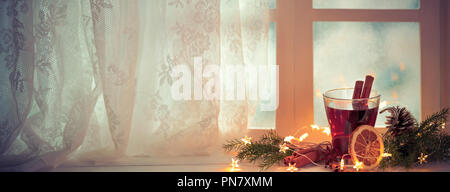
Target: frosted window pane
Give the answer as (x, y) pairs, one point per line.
(266, 119)
(272, 4)
(345, 51)
(366, 4)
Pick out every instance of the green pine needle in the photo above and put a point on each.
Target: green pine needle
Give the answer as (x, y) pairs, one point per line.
(428, 138)
(265, 151)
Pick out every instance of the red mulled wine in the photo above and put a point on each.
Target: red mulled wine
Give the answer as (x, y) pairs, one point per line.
(344, 121)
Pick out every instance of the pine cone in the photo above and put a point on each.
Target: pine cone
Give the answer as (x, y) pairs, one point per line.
(400, 121)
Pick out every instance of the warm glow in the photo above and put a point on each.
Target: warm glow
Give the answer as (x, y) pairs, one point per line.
(303, 137)
(318, 93)
(422, 158)
(383, 104)
(372, 73)
(394, 95)
(315, 127)
(358, 165)
(234, 165)
(283, 148)
(386, 155)
(246, 140)
(402, 66)
(394, 76)
(234, 169)
(292, 168)
(443, 125)
(341, 167)
(327, 130)
(289, 138)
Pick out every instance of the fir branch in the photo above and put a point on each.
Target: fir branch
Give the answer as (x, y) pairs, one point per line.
(265, 151)
(271, 158)
(428, 138)
(271, 137)
(232, 145)
(434, 120)
(255, 151)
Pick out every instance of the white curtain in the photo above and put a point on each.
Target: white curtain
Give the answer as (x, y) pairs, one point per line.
(90, 79)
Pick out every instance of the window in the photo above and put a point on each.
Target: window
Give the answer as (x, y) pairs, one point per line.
(366, 4)
(346, 51)
(266, 120)
(303, 26)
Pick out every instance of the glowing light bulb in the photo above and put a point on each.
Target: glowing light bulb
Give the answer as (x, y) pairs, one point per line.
(422, 158)
(341, 166)
(316, 127)
(292, 168)
(246, 140)
(289, 138)
(383, 104)
(386, 155)
(327, 130)
(303, 137)
(283, 148)
(358, 165)
(234, 165)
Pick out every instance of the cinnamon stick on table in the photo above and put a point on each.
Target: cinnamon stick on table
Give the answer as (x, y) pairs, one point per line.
(304, 159)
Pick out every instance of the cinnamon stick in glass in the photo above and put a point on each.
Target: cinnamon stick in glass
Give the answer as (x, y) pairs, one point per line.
(357, 93)
(367, 86)
(366, 91)
(358, 89)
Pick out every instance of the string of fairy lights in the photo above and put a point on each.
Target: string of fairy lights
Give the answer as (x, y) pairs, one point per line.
(291, 144)
(357, 165)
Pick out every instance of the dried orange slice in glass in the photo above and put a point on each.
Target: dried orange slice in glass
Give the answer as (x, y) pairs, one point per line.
(366, 146)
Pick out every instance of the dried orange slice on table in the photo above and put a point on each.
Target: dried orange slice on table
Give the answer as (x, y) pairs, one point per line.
(366, 147)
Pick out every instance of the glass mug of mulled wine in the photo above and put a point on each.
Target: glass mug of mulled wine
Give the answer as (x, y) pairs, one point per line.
(345, 114)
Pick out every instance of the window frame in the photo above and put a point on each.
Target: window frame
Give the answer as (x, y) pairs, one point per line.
(295, 19)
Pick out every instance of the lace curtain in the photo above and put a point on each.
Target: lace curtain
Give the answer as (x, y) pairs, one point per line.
(91, 78)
